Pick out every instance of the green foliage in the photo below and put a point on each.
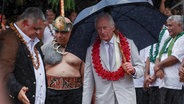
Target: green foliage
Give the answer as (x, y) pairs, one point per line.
(54, 4)
(19, 2)
(68, 4)
(8, 1)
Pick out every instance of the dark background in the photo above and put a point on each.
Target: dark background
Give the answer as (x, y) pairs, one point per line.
(11, 9)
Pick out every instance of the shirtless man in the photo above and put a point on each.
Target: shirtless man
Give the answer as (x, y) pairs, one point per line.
(64, 70)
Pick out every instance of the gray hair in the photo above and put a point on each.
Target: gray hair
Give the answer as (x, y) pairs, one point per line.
(33, 13)
(105, 16)
(177, 18)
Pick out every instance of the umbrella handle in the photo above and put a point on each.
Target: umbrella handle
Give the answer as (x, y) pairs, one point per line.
(124, 59)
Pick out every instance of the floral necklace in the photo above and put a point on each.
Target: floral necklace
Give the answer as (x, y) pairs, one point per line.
(105, 74)
(35, 64)
(153, 55)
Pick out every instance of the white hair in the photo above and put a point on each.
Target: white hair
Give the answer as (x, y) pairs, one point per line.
(177, 18)
(105, 16)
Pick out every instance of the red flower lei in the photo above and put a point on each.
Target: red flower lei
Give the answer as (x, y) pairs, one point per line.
(105, 74)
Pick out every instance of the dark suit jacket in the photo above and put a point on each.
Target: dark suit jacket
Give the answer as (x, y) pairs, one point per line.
(23, 75)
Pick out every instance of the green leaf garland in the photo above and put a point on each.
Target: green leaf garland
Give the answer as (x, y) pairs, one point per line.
(152, 56)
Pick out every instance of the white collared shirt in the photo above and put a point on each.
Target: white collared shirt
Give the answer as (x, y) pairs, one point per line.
(139, 82)
(151, 68)
(171, 77)
(39, 73)
(165, 36)
(47, 35)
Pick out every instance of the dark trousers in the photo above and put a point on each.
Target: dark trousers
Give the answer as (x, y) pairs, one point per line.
(170, 96)
(149, 96)
(182, 98)
(73, 96)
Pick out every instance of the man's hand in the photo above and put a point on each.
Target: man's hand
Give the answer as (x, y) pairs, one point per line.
(157, 67)
(128, 68)
(149, 80)
(159, 74)
(22, 95)
(181, 73)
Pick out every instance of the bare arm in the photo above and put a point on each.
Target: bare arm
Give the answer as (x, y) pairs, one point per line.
(146, 74)
(147, 67)
(171, 60)
(162, 6)
(148, 79)
(181, 71)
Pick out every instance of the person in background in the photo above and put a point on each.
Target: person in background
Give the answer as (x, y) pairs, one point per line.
(27, 81)
(110, 66)
(141, 93)
(151, 83)
(48, 34)
(167, 64)
(64, 70)
(181, 74)
(165, 10)
(3, 22)
(72, 15)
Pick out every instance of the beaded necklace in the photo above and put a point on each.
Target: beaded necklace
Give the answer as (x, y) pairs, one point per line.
(59, 49)
(152, 56)
(50, 30)
(35, 64)
(169, 48)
